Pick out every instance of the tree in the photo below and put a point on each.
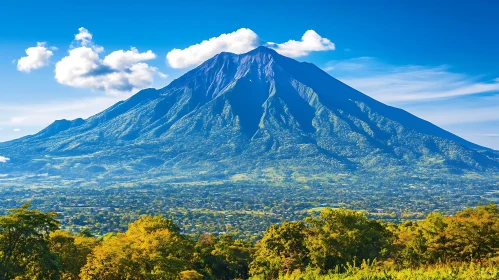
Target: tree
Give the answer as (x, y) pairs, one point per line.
(24, 250)
(235, 256)
(152, 248)
(223, 257)
(339, 236)
(72, 251)
(474, 233)
(282, 250)
(410, 244)
(190, 275)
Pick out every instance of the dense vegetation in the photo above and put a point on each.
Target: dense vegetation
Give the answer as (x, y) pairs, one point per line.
(242, 209)
(337, 244)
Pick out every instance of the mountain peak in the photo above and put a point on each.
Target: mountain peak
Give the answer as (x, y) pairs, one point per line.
(244, 114)
(262, 49)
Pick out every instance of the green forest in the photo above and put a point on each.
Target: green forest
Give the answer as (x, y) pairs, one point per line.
(335, 244)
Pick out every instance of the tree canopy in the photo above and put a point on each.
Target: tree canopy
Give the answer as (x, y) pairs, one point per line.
(153, 247)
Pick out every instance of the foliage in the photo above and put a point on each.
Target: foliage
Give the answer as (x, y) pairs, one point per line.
(72, 251)
(24, 246)
(152, 248)
(373, 271)
(336, 244)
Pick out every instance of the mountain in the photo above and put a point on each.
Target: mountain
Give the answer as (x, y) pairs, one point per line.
(254, 115)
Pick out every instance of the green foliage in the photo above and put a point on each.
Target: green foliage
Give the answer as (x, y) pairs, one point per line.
(24, 246)
(282, 249)
(337, 244)
(340, 236)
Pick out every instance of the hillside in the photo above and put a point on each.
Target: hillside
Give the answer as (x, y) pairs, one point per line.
(249, 116)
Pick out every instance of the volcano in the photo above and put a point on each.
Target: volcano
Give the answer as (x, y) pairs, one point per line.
(254, 115)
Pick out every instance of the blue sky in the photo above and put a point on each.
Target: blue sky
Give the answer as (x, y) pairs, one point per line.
(436, 59)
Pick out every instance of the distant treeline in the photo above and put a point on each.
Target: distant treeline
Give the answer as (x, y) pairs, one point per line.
(337, 244)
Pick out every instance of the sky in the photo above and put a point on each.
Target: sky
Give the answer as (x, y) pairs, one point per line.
(70, 59)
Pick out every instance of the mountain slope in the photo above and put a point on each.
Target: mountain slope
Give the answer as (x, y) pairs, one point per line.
(248, 114)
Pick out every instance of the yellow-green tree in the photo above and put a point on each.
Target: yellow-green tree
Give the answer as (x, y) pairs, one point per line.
(72, 252)
(474, 233)
(152, 248)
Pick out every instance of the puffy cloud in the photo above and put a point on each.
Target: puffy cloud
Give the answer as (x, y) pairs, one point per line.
(4, 159)
(125, 59)
(37, 57)
(310, 42)
(84, 36)
(240, 41)
(117, 73)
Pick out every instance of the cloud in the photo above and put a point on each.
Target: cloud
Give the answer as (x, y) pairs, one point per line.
(84, 36)
(33, 117)
(4, 159)
(240, 41)
(310, 42)
(456, 113)
(16, 130)
(408, 83)
(43, 113)
(37, 57)
(489, 135)
(120, 72)
(463, 104)
(125, 59)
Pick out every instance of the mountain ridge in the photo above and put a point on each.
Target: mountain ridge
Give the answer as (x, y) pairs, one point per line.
(244, 114)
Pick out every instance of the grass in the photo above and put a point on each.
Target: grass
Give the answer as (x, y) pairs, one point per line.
(464, 271)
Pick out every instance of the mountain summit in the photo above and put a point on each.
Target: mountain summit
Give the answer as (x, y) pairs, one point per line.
(255, 115)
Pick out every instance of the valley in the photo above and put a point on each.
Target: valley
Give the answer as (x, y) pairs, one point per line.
(242, 208)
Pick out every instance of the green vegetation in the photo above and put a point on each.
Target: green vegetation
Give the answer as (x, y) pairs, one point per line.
(336, 244)
(243, 209)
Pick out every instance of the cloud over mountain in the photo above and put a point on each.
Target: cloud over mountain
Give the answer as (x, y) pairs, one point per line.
(310, 42)
(242, 41)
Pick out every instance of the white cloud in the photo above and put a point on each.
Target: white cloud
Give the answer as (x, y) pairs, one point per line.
(42, 114)
(37, 57)
(125, 59)
(406, 84)
(4, 159)
(240, 41)
(31, 118)
(120, 72)
(84, 36)
(310, 42)
(455, 114)
(16, 130)
(461, 103)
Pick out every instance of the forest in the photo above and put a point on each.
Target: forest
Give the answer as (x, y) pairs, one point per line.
(334, 244)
